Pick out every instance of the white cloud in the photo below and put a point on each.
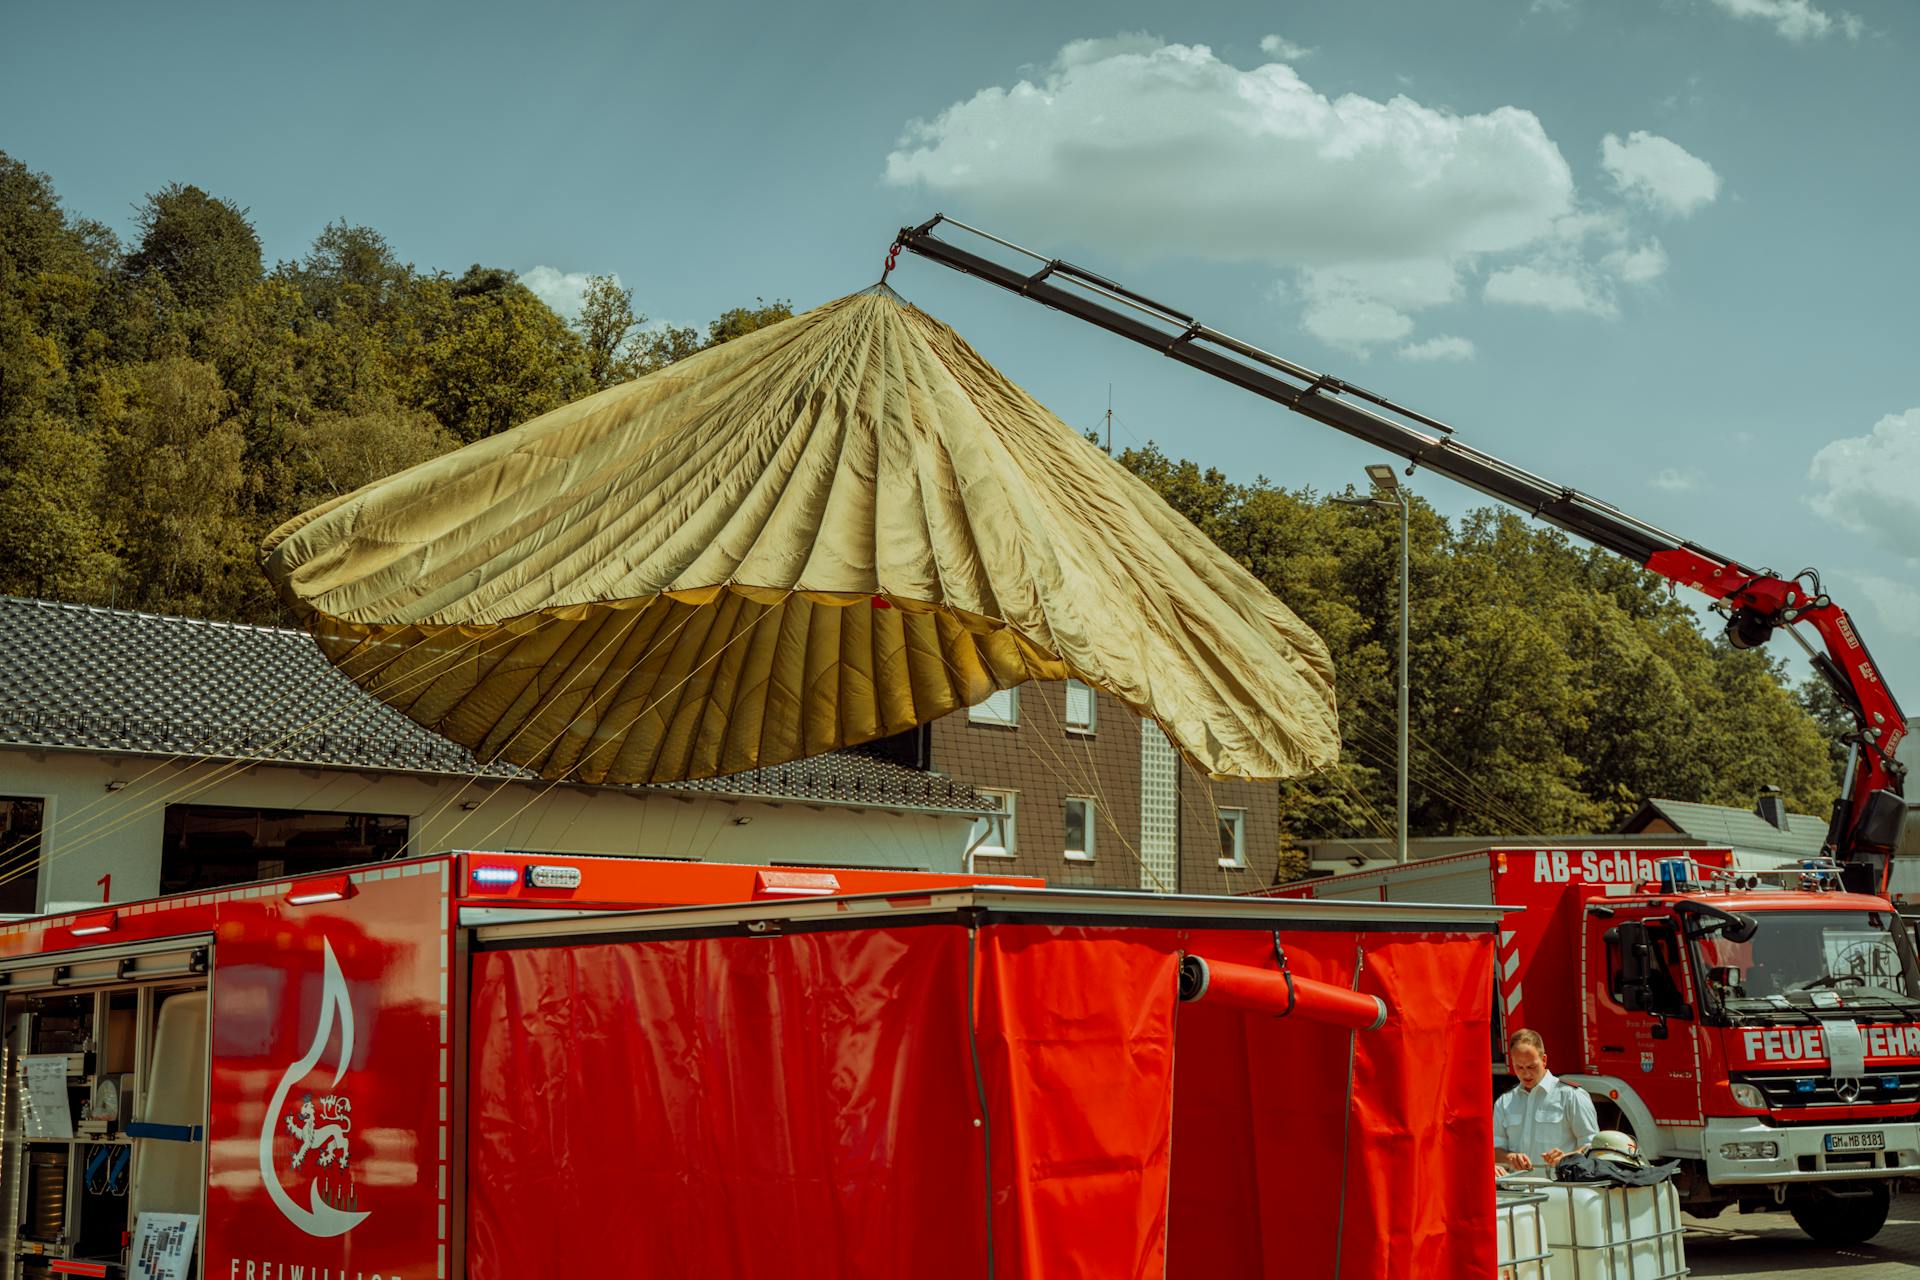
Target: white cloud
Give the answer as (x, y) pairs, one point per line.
(1895, 604)
(1552, 287)
(1871, 483)
(1659, 172)
(1284, 49)
(1550, 6)
(561, 290)
(1358, 305)
(1443, 347)
(1375, 209)
(1674, 480)
(1795, 20)
(1641, 265)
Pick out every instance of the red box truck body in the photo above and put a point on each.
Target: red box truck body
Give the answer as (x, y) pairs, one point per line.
(495, 1066)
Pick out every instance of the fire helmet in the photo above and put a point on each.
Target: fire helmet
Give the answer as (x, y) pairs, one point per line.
(1611, 1144)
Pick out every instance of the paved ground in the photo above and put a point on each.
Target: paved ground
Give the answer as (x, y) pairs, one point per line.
(1761, 1245)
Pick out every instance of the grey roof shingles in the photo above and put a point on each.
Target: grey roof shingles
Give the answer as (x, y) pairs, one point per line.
(111, 680)
(1720, 825)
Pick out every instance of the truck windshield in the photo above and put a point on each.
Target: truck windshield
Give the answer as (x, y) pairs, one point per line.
(1807, 958)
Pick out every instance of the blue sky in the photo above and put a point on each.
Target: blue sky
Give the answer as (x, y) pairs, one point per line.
(1661, 250)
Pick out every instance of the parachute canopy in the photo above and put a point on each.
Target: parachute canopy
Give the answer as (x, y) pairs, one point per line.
(830, 530)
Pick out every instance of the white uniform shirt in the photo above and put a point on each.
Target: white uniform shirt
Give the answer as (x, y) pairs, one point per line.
(1549, 1116)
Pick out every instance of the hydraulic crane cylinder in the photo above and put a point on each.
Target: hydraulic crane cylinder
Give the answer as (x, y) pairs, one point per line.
(1278, 993)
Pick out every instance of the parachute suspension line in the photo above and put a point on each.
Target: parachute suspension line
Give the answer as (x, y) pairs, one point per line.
(1362, 805)
(647, 710)
(1091, 781)
(1491, 804)
(617, 633)
(21, 864)
(1472, 801)
(1059, 776)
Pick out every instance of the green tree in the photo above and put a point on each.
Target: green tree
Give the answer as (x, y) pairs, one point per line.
(1554, 686)
(51, 540)
(176, 488)
(657, 348)
(606, 323)
(500, 357)
(201, 246)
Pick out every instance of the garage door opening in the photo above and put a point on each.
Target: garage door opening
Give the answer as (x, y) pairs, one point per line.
(20, 821)
(207, 846)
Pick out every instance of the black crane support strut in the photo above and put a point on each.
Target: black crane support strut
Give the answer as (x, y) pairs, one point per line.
(1317, 396)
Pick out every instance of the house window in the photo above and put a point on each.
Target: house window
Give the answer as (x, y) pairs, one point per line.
(1079, 814)
(1002, 708)
(20, 819)
(993, 833)
(1079, 708)
(1233, 837)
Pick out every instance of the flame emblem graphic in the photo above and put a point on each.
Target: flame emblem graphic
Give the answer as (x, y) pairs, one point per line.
(319, 1218)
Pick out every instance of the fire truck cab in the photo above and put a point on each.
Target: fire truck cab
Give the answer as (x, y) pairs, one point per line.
(1760, 1027)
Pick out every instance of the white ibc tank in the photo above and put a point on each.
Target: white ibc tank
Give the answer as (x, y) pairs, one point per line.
(1601, 1232)
(1523, 1248)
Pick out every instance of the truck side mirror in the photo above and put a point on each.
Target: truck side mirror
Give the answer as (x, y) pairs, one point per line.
(1636, 962)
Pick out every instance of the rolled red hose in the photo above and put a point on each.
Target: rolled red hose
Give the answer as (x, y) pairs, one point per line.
(1278, 994)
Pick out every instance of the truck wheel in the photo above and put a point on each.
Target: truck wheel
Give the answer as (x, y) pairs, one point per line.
(1850, 1217)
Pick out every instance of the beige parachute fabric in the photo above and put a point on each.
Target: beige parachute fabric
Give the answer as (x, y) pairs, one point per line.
(830, 530)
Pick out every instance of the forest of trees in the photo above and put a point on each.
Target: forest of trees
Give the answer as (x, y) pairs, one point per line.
(166, 403)
(1554, 686)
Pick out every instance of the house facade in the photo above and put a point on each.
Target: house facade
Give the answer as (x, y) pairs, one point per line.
(1092, 795)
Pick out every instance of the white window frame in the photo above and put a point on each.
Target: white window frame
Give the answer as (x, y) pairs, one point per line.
(1239, 819)
(1006, 820)
(1093, 709)
(985, 712)
(1092, 820)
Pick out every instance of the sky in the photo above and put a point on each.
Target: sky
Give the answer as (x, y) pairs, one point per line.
(1660, 250)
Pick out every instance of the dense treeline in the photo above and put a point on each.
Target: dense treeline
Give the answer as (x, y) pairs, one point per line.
(164, 404)
(1554, 686)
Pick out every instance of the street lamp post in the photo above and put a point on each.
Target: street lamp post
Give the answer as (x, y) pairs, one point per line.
(1386, 482)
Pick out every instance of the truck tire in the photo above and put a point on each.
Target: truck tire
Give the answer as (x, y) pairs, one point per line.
(1851, 1217)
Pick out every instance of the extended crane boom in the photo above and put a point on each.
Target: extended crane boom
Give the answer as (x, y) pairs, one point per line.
(1865, 826)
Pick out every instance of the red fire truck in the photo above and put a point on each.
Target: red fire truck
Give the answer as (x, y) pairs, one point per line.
(515, 1067)
(1761, 1028)
(1727, 1025)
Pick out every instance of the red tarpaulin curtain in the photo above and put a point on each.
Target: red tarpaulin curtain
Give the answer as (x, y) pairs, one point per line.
(796, 1107)
(1258, 1120)
(806, 1107)
(1076, 1038)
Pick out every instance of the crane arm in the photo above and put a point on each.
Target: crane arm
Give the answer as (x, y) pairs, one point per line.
(1867, 817)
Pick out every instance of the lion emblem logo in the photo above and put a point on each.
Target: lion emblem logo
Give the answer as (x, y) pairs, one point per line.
(322, 1127)
(321, 1122)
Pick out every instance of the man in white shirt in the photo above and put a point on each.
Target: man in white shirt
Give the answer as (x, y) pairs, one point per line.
(1542, 1119)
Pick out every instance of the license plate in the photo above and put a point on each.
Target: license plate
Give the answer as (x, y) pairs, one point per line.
(1856, 1141)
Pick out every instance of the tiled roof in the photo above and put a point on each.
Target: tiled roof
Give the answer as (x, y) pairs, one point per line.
(1713, 824)
(77, 677)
